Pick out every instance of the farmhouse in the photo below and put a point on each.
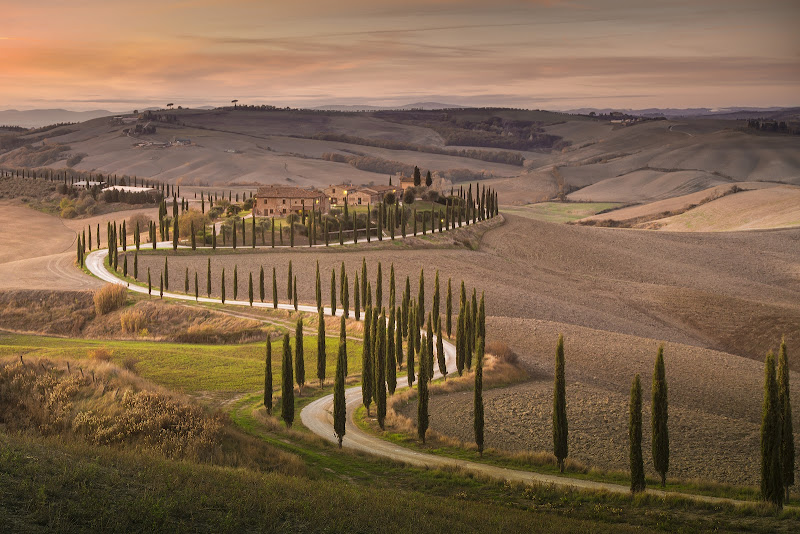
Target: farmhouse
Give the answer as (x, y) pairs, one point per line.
(337, 193)
(281, 200)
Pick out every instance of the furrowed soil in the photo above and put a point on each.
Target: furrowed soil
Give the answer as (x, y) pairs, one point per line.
(719, 301)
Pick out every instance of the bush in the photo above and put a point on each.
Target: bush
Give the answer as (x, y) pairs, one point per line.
(109, 298)
(132, 321)
(408, 196)
(502, 351)
(142, 219)
(101, 355)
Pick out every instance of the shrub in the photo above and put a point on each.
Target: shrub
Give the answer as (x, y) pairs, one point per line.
(132, 321)
(502, 351)
(109, 298)
(101, 354)
(129, 363)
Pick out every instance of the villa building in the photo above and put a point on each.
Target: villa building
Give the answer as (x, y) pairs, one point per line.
(281, 200)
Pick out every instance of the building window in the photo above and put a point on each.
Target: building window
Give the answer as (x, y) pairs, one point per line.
(284, 201)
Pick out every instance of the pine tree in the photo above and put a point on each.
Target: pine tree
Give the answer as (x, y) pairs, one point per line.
(339, 405)
(560, 430)
(635, 436)
(380, 372)
(250, 289)
(422, 394)
(771, 474)
(659, 418)
(391, 362)
(274, 289)
(268, 378)
(321, 349)
(366, 362)
(287, 386)
(299, 363)
(787, 432)
(478, 398)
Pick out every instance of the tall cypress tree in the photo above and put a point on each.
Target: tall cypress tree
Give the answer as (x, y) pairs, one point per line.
(422, 394)
(196, 288)
(294, 293)
(440, 351)
(343, 339)
(333, 292)
(380, 372)
(166, 273)
(289, 282)
(208, 279)
(250, 289)
(366, 362)
(659, 418)
(449, 304)
(345, 292)
(287, 385)
(339, 405)
(261, 284)
(410, 350)
(268, 378)
(185, 279)
(321, 349)
(436, 298)
(635, 436)
(406, 304)
(356, 299)
(235, 282)
(364, 281)
(391, 362)
(771, 474)
(222, 286)
(318, 289)
(421, 297)
(478, 398)
(560, 430)
(299, 359)
(787, 432)
(274, 289)
(398, 339)
(379, 288)
(392, 303)
(149, 283)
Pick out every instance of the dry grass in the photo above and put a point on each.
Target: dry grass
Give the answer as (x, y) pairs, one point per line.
(109, 298)
(102, 404)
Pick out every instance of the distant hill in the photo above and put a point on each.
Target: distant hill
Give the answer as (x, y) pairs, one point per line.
(416, 105)
(34, 118)
(732, 113)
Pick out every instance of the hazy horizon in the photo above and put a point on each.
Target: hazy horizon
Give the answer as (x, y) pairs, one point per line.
(515, 53)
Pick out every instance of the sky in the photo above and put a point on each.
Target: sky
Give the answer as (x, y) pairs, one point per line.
(537, 54)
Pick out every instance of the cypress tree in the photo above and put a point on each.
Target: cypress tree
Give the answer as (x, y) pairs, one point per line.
(478, 398)
(254, 231)
(436, 298)
(125, 269)
(659, 418)
(410, 357)
(166, 274)
(196, 288)
(364, 281)
(299, 360)
(250, 289)
(406, 303)
(356, 299)
(321, 348)
(235, 282)
(333, 292)
(339, 405)
(268, 378)
(343, 339)
(560, 429)
(635, 436)
(287, 386)
(233, 234)
(274, 289)
(392, 303)
(771, 474)
(345, 297)
(185, 279)
(318, 289)
(261, 284)
(422, 394)
(289, 282)
(161, 287)
(149, 283)
(421, 297)
(208, 279)
(391, 362)
(175, 234)
(366, 362)
(468, 336)
(482, 318)
(440, 350)
(398, 339)
(787, 432)
(380, 374)
(379, 288)
(295, 293)
(222, 285)
(214, 236)
(194, 244)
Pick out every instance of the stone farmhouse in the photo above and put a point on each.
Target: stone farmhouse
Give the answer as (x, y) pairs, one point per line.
(281, 200)
(359, 195)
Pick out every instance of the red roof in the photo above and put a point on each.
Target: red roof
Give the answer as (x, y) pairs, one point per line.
(287, 191)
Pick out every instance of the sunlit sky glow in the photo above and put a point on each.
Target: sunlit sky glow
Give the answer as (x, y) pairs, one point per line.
(110, 54)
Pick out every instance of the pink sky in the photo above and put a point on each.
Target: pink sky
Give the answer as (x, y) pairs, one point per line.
(89, 54)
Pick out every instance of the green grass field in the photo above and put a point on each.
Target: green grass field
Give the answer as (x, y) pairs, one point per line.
(560, 212)
(186, 368)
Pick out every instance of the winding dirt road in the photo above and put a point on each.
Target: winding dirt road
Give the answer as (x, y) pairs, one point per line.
(318, 415)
